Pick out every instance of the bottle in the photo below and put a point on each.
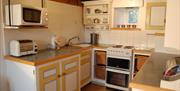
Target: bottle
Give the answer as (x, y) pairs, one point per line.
(53, 42)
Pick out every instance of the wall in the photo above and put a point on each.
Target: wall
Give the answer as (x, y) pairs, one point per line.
(135, 38)
(1, 50)
(172, 38)
(64, 20)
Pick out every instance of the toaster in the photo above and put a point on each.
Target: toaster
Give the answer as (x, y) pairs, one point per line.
(23, 47)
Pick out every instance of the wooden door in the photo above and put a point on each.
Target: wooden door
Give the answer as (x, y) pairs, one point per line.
(49, 77)
(85, 68)
(70, 75)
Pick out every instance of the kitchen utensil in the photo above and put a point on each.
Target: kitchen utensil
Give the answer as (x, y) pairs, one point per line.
(94, 38)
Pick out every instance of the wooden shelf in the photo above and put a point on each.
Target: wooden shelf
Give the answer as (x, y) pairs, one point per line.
(25, 27)
(105, 14)
(156, 34)
(126, 29)
(96, 24)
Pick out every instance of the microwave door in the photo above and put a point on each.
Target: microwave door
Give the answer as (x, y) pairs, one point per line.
(31, 15)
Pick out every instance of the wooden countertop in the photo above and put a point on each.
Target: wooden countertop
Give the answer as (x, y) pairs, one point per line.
(143, 52)
(150, 75)
(50, 55)
(102, 46)
(47, 55)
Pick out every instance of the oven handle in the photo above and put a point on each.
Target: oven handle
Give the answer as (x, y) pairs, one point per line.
(127, 58)
(118, 71)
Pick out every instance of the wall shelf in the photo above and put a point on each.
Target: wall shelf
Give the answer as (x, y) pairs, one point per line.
(97, 15)
(25, 27)
(126, 29)
(156, 34)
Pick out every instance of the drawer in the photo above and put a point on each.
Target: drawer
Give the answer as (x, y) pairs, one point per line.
(100, 72)
(85, 59)
(100, 57)
(70, 65)
(85, 53)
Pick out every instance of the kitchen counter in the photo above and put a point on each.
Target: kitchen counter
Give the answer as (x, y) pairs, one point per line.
(146, 52)
(102, 46)
(151, 73)
(48, 55)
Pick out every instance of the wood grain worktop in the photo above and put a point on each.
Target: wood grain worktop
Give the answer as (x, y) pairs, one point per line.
(150, 75)
(50, 55)
(47, 55)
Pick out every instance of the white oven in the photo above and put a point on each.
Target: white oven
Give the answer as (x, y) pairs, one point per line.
(119, 67)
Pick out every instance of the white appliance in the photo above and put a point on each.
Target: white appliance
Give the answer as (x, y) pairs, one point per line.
(22, 15)
(119, 67)
(23, 47)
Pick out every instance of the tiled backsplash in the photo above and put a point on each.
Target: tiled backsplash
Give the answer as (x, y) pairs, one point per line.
(134, 38)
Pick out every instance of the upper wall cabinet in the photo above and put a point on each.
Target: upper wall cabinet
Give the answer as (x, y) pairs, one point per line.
(97, 15)
(127, 3)
(172, 30)
(125, 18)
(155, 15)
(125, 14)
(72, 2)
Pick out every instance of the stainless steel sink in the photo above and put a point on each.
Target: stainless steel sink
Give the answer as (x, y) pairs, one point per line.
(68, 49)
(82, 45)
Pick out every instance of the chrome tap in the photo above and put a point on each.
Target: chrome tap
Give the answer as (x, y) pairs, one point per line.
(69, 41)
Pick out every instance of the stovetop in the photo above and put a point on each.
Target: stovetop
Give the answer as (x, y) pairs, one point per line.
(122, 46)
(120, 51)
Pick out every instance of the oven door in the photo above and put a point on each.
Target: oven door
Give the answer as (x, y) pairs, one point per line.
(117, 78)
(118, 63)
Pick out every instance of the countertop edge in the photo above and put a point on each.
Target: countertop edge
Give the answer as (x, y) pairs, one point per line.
(15, 59)
(147, 87)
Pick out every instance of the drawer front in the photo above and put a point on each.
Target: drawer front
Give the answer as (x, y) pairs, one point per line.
(70, 65)
(100, 72)
(85, 59)
(100, 57)
(87, 52)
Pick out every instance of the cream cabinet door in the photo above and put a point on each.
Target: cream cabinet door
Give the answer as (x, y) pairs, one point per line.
(70, 75)
(127, 3)
(85, 68)
(49, 77)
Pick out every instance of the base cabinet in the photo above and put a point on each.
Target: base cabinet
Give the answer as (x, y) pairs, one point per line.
(70, 75)
(85, 67)
(49, 77)
(66, 74)
(60, 76)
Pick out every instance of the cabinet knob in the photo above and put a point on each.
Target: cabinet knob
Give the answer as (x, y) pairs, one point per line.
(59, 76)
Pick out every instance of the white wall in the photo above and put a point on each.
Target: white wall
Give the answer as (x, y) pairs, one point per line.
(2, 66)
(172, 38)
(135, 38)
(64, 20)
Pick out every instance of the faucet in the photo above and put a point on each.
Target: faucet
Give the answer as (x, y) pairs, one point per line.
(69, 41)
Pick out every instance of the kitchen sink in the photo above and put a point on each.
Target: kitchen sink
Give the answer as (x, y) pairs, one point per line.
(68, 49)
(82, 45)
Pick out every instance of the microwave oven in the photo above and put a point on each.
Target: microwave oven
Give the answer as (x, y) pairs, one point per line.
(22, 15)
